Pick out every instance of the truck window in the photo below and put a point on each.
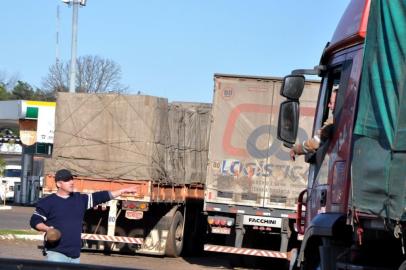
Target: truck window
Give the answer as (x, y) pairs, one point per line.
(334, 83)
(328, 114)
(330, 97)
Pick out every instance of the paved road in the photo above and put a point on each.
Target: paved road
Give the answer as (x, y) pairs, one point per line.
(16, 218)
(28, 250)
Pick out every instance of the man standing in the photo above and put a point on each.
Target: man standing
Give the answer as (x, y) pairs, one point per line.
(65, 211)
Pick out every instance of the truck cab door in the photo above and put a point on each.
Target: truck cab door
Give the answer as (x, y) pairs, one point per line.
(329, 175)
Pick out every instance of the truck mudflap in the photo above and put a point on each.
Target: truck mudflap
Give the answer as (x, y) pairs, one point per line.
(108, 238)
(247, 251)
(321, 225)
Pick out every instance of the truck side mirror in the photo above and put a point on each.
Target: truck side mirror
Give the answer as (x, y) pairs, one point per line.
(288, 122)
(292, 86)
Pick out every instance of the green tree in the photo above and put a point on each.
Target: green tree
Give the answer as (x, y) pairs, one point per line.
(4, 94)
(2, 166)
(94, 74)
(22, 90)
(42, 95)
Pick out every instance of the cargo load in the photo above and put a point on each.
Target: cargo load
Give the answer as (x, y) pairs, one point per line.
(137, 137)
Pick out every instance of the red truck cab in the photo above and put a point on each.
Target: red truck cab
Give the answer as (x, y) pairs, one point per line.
(339, 230)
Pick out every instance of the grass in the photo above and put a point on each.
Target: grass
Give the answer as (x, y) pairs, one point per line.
(4, 232)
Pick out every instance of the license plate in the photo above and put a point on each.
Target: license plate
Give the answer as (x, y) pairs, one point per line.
(220, 230)
(134, 214)
(262, 221)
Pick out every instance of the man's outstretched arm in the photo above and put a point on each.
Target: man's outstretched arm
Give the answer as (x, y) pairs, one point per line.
(104, 196)
(119, 192)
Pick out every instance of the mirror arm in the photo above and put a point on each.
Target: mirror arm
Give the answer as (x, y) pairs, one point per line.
(288, 145)
(317, 70)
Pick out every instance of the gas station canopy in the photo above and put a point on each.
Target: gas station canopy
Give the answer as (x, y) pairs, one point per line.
(14, 112)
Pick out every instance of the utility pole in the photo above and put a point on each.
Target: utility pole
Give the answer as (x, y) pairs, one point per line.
(57, 35)
(72, 76)
(75, 10)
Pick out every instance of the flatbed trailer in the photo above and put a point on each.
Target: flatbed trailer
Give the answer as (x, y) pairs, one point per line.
(111, 141)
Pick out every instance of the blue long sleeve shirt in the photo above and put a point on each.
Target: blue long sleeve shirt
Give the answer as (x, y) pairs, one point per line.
(66, 215)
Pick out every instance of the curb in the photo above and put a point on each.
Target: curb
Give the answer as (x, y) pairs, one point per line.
(32, 237)
(7, 207)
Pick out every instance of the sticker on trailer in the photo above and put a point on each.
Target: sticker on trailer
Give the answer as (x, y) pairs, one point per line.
(134, 214)
(220, 230)
(262, 221)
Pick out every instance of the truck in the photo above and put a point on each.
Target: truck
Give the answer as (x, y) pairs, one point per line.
(251, 185)
(352, 213)
(111, 141)
(11, 175)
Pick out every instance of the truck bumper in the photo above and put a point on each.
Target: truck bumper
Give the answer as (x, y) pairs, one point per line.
(247, 251)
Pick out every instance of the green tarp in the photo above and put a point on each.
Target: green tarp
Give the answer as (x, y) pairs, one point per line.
(379, 157)
(382, 101)
(378, 179)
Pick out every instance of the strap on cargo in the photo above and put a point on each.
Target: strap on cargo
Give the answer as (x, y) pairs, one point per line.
(360, 230)
(397, 232)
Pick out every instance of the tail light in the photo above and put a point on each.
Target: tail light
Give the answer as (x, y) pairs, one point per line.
(220, 221)
(131, 205)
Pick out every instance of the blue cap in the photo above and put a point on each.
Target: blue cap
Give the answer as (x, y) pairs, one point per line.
(63, 175)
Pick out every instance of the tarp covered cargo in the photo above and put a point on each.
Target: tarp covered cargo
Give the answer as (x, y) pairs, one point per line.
(247, 164)
(378, 168)
(189, 139)
(117, 137)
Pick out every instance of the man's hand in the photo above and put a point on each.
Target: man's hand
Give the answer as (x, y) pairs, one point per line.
(294, 151)
(292, 154)
(326, 132)
(53, 235)
(129, 190)
(42, 227)
(119, 192)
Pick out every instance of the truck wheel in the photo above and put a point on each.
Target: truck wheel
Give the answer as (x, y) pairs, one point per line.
(85, 229)
(312, 266)
(119, 246)
(174, 243)
(311, 260)
(403, 266)
(100, 245)
(293, 259)
(135, 233)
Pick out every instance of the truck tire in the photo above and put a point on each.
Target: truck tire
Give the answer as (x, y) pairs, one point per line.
(99, 245)
(293, 259)
(119, 246)
(136, 233)
(403, 266)
(311, 259)
(174, 243)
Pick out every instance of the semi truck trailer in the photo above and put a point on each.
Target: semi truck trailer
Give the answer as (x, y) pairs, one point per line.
(251, 184)
(111, 141)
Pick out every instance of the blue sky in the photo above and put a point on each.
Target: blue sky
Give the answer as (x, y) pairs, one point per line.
(170, 48)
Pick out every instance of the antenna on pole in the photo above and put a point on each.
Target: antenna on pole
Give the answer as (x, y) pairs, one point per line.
(57, 35)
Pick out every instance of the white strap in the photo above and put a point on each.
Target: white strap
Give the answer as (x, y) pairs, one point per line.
(43, 217)
(89, 201)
